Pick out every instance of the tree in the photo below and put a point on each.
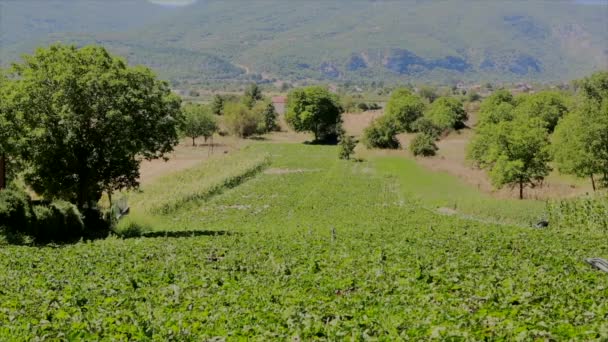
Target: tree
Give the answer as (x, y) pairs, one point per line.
(549, 106)
(405, 108)
(91, 120)
(253, 93)
(217, 105)
(447, 113)
(346, 146)
(266, 110)
(314, 109)
(198, 121)
(581, 136)
(241, 121)
(515, 152)
(382, 133)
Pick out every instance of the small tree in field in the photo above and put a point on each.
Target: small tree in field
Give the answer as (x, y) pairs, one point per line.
(346, 146)
(267, 111)
(217, 105)
(382, 133)
(90, 120)
(314, 109)
(198, 121)
(252, 95)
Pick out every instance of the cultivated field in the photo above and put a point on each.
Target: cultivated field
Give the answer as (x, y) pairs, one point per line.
(285, 241)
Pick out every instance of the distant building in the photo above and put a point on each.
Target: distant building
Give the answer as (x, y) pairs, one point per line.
(279, 103)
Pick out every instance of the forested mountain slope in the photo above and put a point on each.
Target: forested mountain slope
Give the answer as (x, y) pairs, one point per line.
(338, 40)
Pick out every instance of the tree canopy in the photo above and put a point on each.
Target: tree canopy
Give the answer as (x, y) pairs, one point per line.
(405, 108)
(90, 120)
(549, 106)
(447, 113)
(314, 109)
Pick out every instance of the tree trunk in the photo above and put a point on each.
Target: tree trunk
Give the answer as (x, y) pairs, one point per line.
(521, 190)
(193, 142)
(593, 182)
(2, 171)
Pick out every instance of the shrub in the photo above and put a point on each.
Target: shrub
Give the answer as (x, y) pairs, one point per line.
(382, 133)
(423, 145)
(447, 113)
(59, 221)
(426, 126)
(346, 147)
(241, 121)
(15, 212)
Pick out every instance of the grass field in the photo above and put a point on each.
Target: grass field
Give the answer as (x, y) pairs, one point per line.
(311, 247)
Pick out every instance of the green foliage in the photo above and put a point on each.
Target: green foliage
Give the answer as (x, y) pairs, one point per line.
(514, 152)
(382, 133)
(253, 93)
(239, 251)
(15, 212)
(496, 108)
(266, 110)
(447, 113)
(580, 141)
(91, 120)
(217, 105)
(549, 106)
(314, 109)
(425, 126)
(423, 145)
(198, 121)
(405, 108)
(58, 221)
(580, 214)
(243, 122)
(346, 147)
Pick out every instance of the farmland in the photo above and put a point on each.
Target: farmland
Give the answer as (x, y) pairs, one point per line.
(285, 241)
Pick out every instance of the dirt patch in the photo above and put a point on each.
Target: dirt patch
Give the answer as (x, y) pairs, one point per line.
(355, 124)
(276, 171)
(186, 156)
(447, 211)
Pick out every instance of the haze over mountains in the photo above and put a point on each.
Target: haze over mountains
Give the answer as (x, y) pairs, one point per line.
(336, 40)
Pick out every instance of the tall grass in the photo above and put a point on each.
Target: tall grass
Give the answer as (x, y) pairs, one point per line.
(585, 213)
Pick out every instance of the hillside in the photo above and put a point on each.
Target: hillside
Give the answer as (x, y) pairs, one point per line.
(334, 40)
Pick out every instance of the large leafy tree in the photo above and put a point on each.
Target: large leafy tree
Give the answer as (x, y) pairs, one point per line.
(513, 147)
(92, 120)
(314, 109)
(581, 137)
(405, 108)
(198, 121)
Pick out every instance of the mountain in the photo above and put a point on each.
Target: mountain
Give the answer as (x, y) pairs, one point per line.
(337, 40)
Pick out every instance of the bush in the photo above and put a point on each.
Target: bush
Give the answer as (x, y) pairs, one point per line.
(423, 145)
(59, 221)
(16, 214)
(426, 126)
(382, 133)
(241, 121)
(346, 147)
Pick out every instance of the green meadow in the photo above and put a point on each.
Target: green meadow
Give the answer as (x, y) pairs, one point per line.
(287, 242)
